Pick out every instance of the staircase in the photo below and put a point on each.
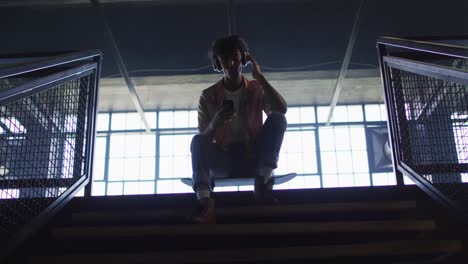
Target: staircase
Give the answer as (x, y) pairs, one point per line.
(385, 224)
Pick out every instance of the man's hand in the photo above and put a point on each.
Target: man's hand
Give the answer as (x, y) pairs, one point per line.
(222, 116)
(278, 104)
(256, 72)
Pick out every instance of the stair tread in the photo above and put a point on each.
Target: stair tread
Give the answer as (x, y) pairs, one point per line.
(384, 248)
(229, 229)
(244, 211)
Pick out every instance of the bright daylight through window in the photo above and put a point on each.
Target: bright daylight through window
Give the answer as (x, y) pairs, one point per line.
(128, 160)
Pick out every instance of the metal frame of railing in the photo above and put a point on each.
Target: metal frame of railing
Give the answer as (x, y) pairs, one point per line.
(50, 71)
(415, 56)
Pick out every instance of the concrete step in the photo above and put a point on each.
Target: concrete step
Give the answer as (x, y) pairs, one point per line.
(378, 251)
(246, 212)
(244, 198)
(131, 231)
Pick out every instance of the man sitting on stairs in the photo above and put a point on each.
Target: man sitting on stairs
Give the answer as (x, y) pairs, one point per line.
(232, 141)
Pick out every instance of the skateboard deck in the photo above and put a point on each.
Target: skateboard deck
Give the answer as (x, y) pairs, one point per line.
(224, 182)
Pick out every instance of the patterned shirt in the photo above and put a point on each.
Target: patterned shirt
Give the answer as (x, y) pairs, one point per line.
(252, 102)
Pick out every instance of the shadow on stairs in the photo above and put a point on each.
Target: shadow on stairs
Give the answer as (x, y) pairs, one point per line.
(383, 224)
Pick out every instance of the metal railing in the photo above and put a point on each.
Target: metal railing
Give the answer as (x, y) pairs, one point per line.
(48, 108)
(426, 94)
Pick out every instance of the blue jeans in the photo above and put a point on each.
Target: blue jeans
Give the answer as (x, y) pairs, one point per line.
(236, 160)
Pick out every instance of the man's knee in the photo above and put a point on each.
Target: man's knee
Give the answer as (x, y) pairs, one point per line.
(198, 141)
(278, 119)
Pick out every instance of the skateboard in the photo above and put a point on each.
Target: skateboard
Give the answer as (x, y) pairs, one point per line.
(224, 182)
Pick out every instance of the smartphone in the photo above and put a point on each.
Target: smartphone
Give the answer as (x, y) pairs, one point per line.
(228, 105)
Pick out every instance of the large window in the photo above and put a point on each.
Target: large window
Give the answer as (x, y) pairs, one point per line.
(344, 156)
(175, 163)
(130, 161)
(125, 155)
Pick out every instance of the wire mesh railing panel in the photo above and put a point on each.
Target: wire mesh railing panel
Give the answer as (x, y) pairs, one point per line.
(42, 149)
(431, 122)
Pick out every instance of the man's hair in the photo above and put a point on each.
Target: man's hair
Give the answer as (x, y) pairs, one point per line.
(226, 46)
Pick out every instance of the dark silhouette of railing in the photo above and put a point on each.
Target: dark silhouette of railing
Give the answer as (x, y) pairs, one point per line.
(47, 127)
(426, 93)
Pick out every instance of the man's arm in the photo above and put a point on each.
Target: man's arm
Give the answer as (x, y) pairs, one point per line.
(205, 126)
(208, 124)
(276, 101)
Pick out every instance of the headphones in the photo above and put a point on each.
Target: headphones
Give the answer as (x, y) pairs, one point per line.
(217, 65)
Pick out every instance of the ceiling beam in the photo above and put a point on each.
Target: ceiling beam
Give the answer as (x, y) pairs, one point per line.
(71, 3)
(30, 3)
(344, 66)
(123, 70)
(229, 15)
